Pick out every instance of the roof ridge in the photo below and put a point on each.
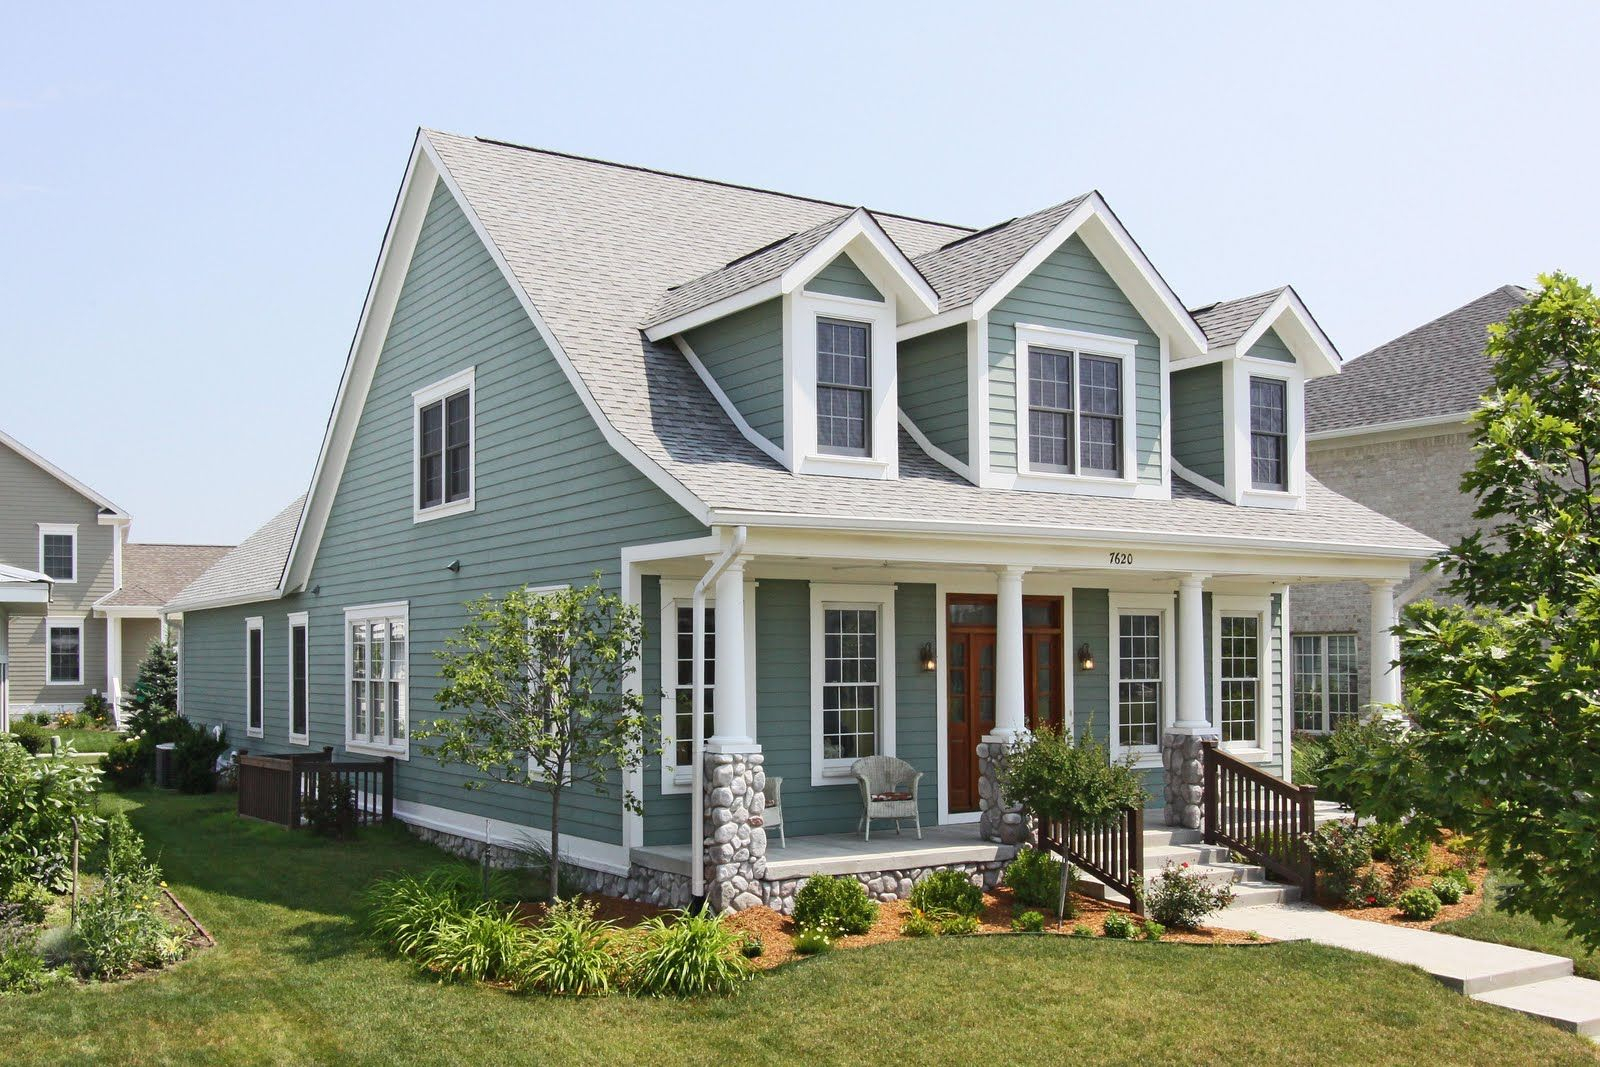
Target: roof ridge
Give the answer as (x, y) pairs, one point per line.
(1515, 290)
(173, 544)
(703, 181)
(1239, 299)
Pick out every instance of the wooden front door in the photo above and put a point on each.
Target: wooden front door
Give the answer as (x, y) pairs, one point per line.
(970, 668)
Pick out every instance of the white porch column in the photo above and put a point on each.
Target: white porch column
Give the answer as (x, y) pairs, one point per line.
(1010, 721)
(1191, 717)
(114, 666)
(1385, 646)
(730, 717)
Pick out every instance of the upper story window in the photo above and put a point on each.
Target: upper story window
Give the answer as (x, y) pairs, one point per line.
(444, 423)
(1269, 433)
(1075, 430)
(844, 386)
(58, 551)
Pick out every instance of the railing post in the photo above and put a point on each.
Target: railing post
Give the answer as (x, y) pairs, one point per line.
(1308, 826)
(1136, 856)
(388, 788)
(1208, 821)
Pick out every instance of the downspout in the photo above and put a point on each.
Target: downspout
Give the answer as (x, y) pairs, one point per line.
(697, 730)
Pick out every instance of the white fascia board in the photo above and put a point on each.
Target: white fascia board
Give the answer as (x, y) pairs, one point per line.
(178, 607)
(915, 292)
(1300, 332)
(721, 309)
(24, 593)
(117, 514)
(1108, 235)
(917, 327)
(1461, 419)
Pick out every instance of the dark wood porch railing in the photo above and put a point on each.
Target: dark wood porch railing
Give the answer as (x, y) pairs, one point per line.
(1113, 853)
(1259, 816)
(276, 788)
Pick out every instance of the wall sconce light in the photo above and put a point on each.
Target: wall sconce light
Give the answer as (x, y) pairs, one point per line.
(929, 660)
(454, 566)
(1085, 657)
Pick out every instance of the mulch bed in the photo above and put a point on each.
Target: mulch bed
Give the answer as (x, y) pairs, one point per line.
(1439, 858)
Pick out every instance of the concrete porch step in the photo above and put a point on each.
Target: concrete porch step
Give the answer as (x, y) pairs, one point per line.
(1569, 1002)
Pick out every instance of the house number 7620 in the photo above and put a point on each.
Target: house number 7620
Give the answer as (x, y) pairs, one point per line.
(1122, 559)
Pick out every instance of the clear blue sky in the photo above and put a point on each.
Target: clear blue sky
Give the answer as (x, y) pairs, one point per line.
(191, 201)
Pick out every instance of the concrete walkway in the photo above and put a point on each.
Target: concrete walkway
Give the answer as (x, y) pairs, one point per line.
(1533, 983)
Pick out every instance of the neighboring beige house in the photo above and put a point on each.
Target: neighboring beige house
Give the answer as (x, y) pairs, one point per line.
(1390, 432)
(78, 604)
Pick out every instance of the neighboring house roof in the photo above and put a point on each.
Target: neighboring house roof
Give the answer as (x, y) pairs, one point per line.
(965, 268)
(1436, 371)
(62, 476)
(251, 571)
(1227, 320)
(154, 574)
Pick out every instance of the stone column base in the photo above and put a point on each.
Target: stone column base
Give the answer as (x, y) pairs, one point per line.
(1185, 774)
(997, 820)
(736, 844)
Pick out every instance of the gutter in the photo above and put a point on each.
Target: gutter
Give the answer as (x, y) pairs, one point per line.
(697, 808)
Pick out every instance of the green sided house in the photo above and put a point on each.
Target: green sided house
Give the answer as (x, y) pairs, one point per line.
(935, 485)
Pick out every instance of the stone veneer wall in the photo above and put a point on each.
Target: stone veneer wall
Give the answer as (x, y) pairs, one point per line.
(1183, 760)
(997, 820)
(778, 894)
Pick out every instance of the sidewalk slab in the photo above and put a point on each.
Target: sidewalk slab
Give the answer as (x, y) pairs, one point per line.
(1571, 1003)
(1464, 965)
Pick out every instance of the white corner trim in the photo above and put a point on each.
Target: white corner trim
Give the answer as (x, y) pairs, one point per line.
(801, 310)
(750, 433)
(62, 529)
(938, 454)
(826, 772)
(464, 379)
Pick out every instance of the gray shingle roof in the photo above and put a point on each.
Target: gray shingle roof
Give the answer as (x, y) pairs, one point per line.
(643, 231)
(1227, 320)
(747, 272)
(252, 569)
(964, 269)
(154, 574)
(1435, 370)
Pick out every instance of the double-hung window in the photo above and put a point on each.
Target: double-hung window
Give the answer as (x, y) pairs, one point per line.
(64, 651)
(1141, 676)
(376, 696)
(852, 677)
(58, 551)
(299, 678)
(683, 689)
(444, 425)
(255, 681)
(1325, 679)
(844, 386)
(1075, 412)
(1269, 433)
(1239, 677)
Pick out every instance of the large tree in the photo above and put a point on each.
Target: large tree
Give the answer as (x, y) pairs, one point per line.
(1504, 698)
(540, 680)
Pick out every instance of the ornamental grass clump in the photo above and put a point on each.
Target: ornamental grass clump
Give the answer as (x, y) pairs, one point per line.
(406, 912)
(483, 944)
(947, 891)
(571, 953)
(836, 906)
(690, 954)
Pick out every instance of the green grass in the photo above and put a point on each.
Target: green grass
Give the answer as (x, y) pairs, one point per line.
(293, 982)
(87, 739)
(1489, 923)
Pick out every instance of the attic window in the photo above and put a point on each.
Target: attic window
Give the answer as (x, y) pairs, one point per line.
(444, 413)
(844, 390)
(1269, 433)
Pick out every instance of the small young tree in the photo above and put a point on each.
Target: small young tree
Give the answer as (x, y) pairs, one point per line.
(540, 680)
(1504, 698)
(156, 687)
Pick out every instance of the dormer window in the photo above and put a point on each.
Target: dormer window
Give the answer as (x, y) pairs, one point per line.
(844, 389)
(1074, 407)
(1269, 433)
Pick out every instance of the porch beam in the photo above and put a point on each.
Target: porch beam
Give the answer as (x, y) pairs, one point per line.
(1191, 717)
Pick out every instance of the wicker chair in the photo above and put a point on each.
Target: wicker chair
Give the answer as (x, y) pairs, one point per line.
(772, 809)
(888, 791)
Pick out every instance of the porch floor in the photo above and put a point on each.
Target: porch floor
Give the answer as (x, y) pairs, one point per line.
(849, 854)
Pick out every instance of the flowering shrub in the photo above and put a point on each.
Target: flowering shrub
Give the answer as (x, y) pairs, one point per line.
(1182, 897)
(1341, 851)
(120, 928)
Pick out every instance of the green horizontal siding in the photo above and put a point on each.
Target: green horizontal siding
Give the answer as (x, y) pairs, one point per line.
(933, 387)
(843, 278)
(554, 505)
(1271, 346)
(1071, 290)
(744, 353)
(1198, 434)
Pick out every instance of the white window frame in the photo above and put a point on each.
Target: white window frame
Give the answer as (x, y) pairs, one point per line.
(1261, 609)
(801, 310)
(255, 687)
(430, 394)
(301, 619)
(396, 610)
(1236, 417)
(826, 772)
(679, 593)
(1079, 343)
(1324, 673)
(1165, 606)
(60, 529)
(64, 622)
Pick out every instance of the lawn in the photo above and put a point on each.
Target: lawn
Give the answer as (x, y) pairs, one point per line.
(1489, 923)
(292, 981)
(88, 739)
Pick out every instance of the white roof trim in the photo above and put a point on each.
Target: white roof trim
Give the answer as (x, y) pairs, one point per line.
(61, 476)
(1301, 335)
(728, 305)
(1456, 421)
(411, 206)
(862, 225)
(8, 573)
(1104, 233)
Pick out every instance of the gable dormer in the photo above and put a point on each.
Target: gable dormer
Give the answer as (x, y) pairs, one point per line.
(1238, 411)
(801, 350)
